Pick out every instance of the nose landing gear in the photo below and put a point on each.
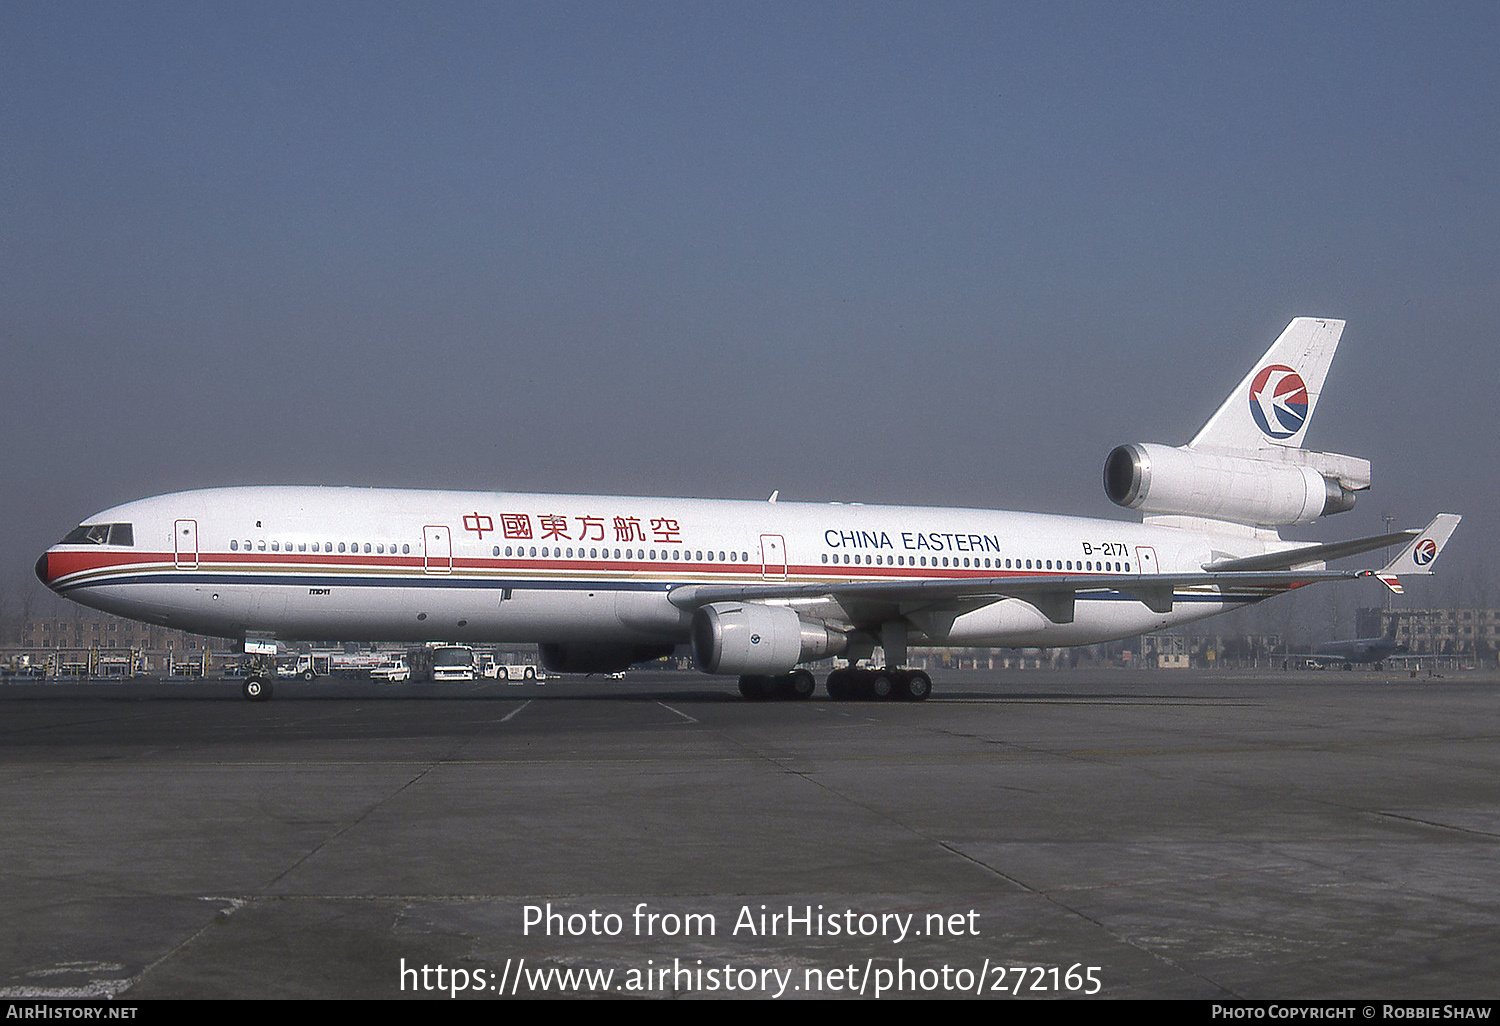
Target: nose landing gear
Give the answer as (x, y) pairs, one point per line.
(257, 686)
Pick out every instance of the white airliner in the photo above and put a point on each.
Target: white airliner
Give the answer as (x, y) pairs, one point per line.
(757, 588)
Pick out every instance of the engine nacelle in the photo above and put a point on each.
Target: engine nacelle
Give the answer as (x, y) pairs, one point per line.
(585, 658)
(753, 639)
(1241, 489)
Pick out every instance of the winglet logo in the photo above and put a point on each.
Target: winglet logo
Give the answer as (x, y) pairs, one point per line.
(1425, 552)
(1278, 401)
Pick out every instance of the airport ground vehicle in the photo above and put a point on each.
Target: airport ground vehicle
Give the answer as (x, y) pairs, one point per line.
(453, 663)
(393, 671)
(514, 672)
(306, 666)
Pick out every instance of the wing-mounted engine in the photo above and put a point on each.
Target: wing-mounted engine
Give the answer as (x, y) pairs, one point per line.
(1272, 488)
(752, 638)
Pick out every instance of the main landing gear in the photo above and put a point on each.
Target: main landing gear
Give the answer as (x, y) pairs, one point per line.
(796, 686)
(851, 684)
(879, 685)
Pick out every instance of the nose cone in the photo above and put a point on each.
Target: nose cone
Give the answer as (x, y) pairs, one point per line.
(41, 570)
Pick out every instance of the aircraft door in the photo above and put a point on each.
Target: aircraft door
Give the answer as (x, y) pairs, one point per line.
(185, 544)
(437, 549)
(1145, 559)
(773, 557)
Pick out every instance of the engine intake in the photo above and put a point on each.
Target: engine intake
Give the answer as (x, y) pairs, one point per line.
(1241, 489)
(750, 638)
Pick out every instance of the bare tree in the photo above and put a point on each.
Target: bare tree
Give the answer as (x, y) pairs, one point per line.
(9, 629)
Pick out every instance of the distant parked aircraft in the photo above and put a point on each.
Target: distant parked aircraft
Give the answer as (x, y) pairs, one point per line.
(1360, 651)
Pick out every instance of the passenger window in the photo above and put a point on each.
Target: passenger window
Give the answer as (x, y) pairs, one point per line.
(234, 546)
(341, 546)
(260, 546)
(405, 549)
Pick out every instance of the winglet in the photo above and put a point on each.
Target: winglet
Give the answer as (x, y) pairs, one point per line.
(1421, 553)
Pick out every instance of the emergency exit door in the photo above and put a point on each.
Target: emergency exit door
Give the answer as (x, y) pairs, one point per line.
(773, 557)
(185, 544)
(437, 549)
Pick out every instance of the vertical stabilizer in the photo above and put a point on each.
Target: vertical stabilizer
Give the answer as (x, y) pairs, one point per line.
(1274, 403)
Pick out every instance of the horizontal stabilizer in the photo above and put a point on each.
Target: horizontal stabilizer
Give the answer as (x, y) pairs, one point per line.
(1286, 559)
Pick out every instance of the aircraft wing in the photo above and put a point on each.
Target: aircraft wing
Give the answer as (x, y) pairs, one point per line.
(1286, 559)
(1054, 595)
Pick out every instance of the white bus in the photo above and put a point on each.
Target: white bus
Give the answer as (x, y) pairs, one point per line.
(453, 662)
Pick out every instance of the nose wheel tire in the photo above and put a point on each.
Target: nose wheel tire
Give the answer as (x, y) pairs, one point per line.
(257, 689)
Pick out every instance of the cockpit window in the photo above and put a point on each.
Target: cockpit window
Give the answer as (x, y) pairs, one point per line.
(101, 534)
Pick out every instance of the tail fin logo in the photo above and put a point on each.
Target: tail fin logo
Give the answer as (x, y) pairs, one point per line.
(1425, 552)
(1278, 401)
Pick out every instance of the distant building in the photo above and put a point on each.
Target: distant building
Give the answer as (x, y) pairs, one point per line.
(43, 634)
(1435, 631)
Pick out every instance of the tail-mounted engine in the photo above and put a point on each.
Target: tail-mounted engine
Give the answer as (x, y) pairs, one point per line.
(1288, 486)
(752, 639)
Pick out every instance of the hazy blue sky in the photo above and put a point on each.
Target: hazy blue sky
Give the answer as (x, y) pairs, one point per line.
(939, 253)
